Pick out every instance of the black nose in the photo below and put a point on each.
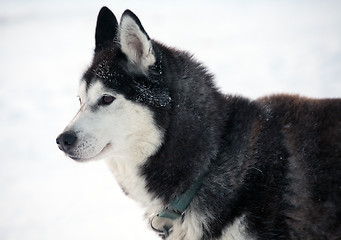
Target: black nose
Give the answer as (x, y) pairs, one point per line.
(66, 140)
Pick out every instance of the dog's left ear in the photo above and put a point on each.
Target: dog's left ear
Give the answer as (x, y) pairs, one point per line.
(135, 42)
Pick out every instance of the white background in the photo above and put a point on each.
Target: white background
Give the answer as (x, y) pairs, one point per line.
(253, 47)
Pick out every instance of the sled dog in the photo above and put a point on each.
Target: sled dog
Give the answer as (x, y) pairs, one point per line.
(205, 165)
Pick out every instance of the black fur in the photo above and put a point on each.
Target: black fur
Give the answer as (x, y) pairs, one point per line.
(106, 28)
(275, 160)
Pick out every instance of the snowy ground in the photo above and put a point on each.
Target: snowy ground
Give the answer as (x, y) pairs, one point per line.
(253, 49)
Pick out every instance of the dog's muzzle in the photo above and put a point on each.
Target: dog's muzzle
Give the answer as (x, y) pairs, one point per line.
(66, 141)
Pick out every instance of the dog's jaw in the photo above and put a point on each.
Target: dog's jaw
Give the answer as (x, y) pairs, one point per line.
(102, 154)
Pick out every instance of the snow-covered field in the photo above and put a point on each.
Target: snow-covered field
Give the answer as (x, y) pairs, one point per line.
(253, 47)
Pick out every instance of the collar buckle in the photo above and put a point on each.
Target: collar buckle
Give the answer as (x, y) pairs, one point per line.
(161, 225)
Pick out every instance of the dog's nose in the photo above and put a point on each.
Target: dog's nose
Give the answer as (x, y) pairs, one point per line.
(66, 140)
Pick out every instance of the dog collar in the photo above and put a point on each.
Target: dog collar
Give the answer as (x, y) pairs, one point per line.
(175, 210)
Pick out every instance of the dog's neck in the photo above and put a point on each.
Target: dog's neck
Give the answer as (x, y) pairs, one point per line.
(133, 184)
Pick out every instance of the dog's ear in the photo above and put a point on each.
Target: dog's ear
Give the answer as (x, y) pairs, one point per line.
(106, 28)
(135, 42)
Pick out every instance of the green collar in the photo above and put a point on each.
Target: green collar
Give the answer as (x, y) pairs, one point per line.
(163, 223)
(180, 204)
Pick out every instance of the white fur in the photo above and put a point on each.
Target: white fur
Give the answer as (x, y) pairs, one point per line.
(192, 229)
(135, 44)
(189, 229)
(125, 129)
(91, 136)
(236, 231)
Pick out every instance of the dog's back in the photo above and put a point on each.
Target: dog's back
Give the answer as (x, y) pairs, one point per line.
(301, 144)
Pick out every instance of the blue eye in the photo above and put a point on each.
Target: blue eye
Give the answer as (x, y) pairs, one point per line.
(106, 100)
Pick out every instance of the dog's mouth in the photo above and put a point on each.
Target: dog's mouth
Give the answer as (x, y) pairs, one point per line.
(97, 156)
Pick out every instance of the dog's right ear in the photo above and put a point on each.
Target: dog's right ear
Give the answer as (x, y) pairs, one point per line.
(106, 28)
(135, 42)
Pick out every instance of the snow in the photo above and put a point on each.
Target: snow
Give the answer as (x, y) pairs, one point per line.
(253, 48)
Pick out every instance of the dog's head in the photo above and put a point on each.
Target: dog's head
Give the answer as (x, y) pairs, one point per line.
(118, 95)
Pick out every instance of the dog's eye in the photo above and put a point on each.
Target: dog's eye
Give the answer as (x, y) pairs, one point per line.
(106, 100)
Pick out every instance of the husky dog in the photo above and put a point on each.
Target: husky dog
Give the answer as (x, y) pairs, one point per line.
(203, 164)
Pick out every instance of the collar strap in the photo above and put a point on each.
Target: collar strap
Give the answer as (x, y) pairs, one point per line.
(163, 223)
(180, 204)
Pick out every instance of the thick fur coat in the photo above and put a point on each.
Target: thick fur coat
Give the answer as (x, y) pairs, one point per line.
(274, 164)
